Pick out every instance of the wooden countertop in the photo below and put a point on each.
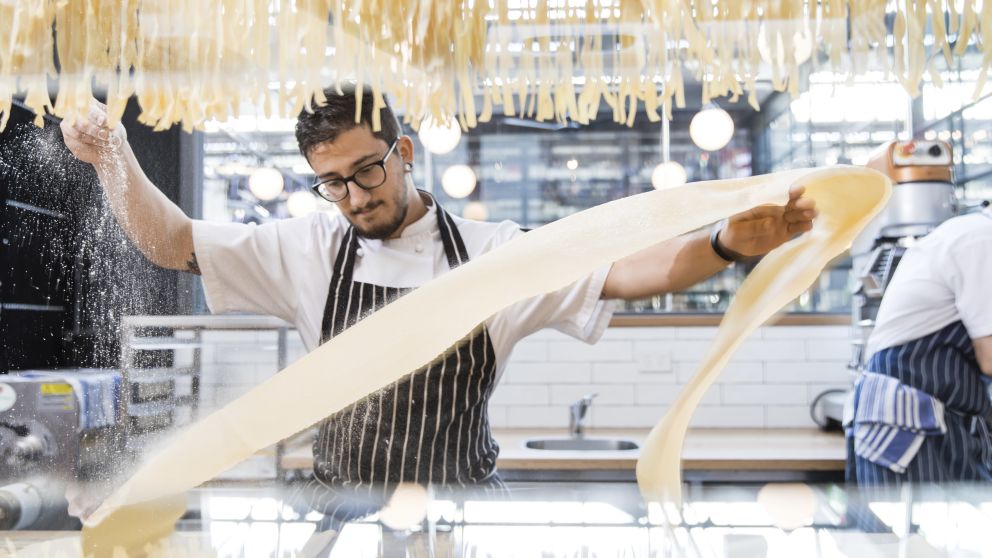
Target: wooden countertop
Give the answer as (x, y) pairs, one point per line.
(752, 449)
(714, 319)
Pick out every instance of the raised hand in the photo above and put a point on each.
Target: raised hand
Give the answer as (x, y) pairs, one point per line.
(762, 229)
(89, 138)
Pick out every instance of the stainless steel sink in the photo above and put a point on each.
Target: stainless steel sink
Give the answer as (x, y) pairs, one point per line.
(580, 444)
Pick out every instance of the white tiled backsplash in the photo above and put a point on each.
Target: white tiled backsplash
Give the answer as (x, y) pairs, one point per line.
(637, 372)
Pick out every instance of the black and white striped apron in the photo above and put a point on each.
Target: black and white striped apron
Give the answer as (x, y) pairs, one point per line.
(942, 365)
(431, 427)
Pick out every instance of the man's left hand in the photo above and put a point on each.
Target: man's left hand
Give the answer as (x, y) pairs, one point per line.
(760, 230)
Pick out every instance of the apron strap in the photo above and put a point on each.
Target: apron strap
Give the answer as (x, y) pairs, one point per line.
(454, 247)
(344, 264)
(340, 287)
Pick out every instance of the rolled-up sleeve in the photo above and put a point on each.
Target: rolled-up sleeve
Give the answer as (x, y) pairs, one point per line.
(576, 310)
(244, 268)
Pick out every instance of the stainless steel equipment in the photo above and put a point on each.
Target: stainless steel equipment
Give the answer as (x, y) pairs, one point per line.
(68, 422)
(41, 447)
(40, 430)
(581, 444)
(923, 194)
(34, 504)
(181, 338)
(55, 427)
(923, 197)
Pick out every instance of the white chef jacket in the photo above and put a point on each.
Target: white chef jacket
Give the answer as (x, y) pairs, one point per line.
(945, 277)
(284, 268)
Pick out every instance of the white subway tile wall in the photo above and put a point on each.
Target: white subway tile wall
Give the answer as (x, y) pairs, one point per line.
(639, 372)
(233, 362)
(636, 372)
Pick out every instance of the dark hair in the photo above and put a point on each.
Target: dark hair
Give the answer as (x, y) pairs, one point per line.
(329, 121)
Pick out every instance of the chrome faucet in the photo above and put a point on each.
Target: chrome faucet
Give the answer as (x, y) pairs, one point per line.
(577, 415)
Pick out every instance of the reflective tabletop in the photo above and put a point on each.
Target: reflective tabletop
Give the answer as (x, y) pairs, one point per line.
(593, 519)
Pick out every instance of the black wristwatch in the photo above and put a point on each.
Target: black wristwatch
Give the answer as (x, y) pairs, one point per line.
(728, 256)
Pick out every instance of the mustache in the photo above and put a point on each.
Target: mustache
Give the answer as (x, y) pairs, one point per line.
(365, 209)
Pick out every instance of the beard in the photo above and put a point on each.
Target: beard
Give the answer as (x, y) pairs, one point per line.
(390, 224)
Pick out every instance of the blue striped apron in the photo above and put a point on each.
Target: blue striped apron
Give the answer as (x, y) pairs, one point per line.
(921, 414)
(431, 427)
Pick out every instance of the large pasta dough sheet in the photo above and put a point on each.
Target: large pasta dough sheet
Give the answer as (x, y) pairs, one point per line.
(847, 200)
(420, 326)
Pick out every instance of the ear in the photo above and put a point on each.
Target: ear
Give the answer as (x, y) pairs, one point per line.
(405, 147)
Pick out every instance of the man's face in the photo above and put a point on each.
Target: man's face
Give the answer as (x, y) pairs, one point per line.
(376, 213)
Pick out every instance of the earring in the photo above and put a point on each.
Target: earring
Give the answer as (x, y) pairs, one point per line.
(407, 167)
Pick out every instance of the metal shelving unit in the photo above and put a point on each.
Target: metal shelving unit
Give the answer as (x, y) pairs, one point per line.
(142, 389)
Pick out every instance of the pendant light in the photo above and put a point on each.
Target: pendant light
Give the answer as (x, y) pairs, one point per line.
(265, 183)
(712, 128)
(301, 203)
(439, 138)
(458, 181)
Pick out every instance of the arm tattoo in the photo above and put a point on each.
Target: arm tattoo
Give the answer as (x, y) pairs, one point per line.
(192, 266)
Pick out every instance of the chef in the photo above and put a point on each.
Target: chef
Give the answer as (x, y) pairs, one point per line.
(324, 272)
(921, 410)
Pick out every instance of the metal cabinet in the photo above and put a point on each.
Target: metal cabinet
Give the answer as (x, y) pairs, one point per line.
(153, 398)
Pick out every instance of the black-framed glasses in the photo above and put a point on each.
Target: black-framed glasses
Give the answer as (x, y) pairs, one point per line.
(369, 177)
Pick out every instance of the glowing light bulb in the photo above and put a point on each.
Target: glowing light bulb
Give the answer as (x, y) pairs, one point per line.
(300, 203)
(711, 129)
(668, 175)
(439, 138)
(265, 183)
(458, 181)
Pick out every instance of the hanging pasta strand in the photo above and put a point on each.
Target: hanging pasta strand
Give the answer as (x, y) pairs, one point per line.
(188, 61)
